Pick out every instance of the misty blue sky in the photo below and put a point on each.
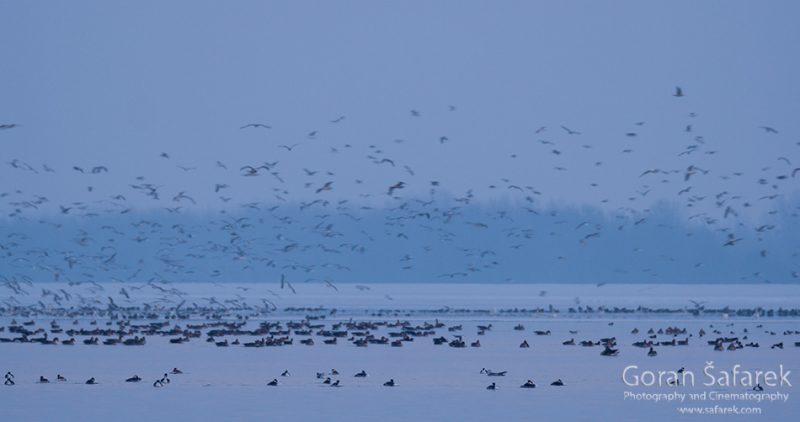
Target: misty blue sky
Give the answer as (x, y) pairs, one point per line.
(116, 84)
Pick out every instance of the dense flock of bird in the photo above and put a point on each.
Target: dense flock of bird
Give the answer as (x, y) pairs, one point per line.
(223, 331)
(301, 231)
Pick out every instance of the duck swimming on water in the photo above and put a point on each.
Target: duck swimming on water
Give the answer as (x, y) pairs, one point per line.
(491, 373)
(608, 351)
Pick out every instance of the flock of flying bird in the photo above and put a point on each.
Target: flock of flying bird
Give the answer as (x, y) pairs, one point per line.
(309, 234)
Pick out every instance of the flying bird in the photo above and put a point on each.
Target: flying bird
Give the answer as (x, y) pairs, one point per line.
(570, 131)
(326, 186)
(398, 185)
(288, 147)
(256, 125)
(731, 240)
